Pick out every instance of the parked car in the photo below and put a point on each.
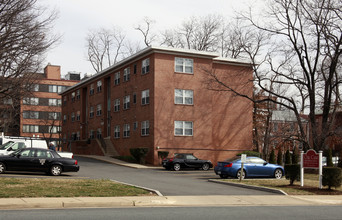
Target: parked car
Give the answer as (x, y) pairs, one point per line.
(254, 167)
(11, 146)
(37, 160)
(180, 161)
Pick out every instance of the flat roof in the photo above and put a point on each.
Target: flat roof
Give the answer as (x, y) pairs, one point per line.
(167, 50)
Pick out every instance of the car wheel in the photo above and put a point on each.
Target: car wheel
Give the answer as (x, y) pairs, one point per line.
(239, 173)
(278, 173)
(223, 176)
(2, 168)
(56, 170)
(176, 167)
(205, 166)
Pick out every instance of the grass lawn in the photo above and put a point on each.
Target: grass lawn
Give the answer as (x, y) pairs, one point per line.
(311, 185)
(37, 187)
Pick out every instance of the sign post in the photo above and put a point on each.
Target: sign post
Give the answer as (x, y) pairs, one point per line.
(243, 160)
(311, 159)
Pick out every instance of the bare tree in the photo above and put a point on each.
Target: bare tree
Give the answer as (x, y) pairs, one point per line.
(105, 47)
(146, 31)
(24, 38)
(303, 62)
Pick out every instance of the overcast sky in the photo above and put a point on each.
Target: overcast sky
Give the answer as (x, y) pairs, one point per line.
(77, 17)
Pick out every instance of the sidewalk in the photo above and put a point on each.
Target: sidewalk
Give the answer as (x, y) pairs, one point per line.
(118, 162)
(166, 201)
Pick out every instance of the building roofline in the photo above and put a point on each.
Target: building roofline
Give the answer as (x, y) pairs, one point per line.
(156, 49)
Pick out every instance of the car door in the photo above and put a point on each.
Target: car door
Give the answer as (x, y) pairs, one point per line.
(258, 167)
(191, 161)
(22, 161)
(42, 160)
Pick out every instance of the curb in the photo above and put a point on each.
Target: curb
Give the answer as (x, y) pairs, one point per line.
(141, 187)
(261, 188)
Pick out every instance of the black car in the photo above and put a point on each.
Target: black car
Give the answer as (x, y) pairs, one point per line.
(38, 160)
(186, 161)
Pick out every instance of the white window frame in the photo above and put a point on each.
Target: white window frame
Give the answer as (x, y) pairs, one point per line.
(117, 78)
(145, 97)
(99, 86)
(126, 75)
(91, 90)
(91, 134)
(182, 65)
(182, 128)
(117, 131)
(72, 116)
(183, 96)
(91, 112)
(116, 105)
(145, 128)
(99, 133)
(145, 66)
(98, 110)
(126, 102)
(126, 130)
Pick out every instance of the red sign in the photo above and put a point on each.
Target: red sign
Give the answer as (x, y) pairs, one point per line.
(311, 159)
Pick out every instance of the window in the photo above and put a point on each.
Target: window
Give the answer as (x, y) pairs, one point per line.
(78, 136)
(98, 110)
(73, 96)
(145, 128)
(53, 115)
(91, 112)
(145, 68)
(35, 88)
(145, 97)
(30, 128)
(117, 78)
(31, 101)
(126, 74)
(73, 116)
(64, 118)
(78, 95)
(134, 98)
(183, 65)
(99, 86)
(78, 116)
(91, 90)
(53, 88)
(99, 133)
(65, 100)
(183, 128)
(126, 130)
(91, 134)
(116, 105)
(135, 126)
(8, 101)
(135, 69)
(117, 131)
(126, 102)
(30, 115)
(54, 129)
(54, 102)
(184, 96)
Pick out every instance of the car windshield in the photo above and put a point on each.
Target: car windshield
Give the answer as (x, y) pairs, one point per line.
(6, 145)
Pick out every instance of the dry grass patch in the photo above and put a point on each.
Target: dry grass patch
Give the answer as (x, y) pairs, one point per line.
(37, 187)
(311, 185)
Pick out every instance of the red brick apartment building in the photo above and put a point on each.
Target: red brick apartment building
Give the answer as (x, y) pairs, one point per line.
(41, 111)
(158, 99)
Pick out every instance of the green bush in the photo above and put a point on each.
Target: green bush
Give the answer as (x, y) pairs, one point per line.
(294, 157)
(280, 158)
(292, 172)
(139, 154)
(272, 157)
(287, 157)
(332, 177)
(163, 154)
(250, 153)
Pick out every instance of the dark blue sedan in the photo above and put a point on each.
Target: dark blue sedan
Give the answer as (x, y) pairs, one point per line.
(254, 167)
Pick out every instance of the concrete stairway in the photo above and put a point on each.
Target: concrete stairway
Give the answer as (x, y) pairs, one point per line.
(110, 149)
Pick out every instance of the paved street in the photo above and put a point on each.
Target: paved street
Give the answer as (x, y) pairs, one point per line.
(169, 183)
(241, 213)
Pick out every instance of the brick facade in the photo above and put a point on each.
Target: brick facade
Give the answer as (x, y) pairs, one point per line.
(214, 125)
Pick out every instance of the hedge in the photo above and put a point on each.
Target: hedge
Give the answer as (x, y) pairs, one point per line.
(139, 154)
(292, 172)
(332, 177)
